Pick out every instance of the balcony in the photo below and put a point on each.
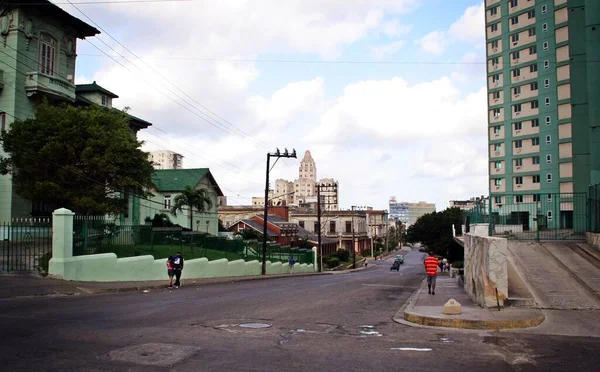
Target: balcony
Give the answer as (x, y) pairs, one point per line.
(54, 86)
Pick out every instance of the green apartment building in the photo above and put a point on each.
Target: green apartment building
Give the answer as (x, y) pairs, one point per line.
(543, 77)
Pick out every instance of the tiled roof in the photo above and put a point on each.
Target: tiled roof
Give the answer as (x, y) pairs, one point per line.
(93, 87)
(176, 179)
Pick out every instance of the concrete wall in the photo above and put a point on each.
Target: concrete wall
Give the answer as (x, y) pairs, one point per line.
(486, 269)
(593, 239)
(108, 268)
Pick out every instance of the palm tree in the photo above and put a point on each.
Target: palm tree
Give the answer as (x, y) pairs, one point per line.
(191, 198)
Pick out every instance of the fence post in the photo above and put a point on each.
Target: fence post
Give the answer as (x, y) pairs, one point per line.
(62, 241)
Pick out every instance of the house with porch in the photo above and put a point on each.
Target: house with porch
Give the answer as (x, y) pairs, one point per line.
(167, 184)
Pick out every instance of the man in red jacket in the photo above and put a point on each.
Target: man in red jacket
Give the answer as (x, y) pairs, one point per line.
(431, 267)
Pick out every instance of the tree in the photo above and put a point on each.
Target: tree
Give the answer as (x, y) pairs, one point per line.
(191, 199)
(304, 243)
(249, 234)
(434, 230)
(81, 158)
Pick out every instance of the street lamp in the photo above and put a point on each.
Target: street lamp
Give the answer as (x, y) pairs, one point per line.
(277, 154)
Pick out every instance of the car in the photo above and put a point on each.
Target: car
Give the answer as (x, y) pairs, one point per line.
(400, 258)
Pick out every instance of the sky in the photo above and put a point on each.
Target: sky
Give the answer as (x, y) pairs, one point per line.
(388, 95)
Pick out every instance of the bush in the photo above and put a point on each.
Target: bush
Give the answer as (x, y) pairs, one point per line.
(341, 254)
(458, 264)
(332, 262)
(366, 252)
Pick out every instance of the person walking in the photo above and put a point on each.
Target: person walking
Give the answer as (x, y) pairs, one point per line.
(170, 270)
(292, 262)
(178, 268)
(444, 264)
(431, 267)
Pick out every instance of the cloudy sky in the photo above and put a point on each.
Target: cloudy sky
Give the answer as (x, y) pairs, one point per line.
(388, 95)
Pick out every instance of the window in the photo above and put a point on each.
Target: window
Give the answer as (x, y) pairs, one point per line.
(498, 199)
(497, 147)
(545, 27)
(348, 226)
(532, 31)
(498, 165)
(332, 226)
(548, 139)
(517, 107)
(535, 160)
(496, 78)
(549, 197)
(497, 113)
(535, 104)
(533, 86)
(514, 38)
(498, 182)
(545, 45)
(316, 226)
(544, 8)
(496, 95)
(549, 177)
(548, 120)
(495, 44)
(516, 73)
(516, 90)
(167, 202)
(514, 20)
(518, 125)
(519, 180)
(518, 162)
(535, 141)
(546, 83)
(519, 199)
(537, 197)
(548, 159)
(47, 54)
(494, 27)
(535, 123)
(546, 64)
(516, 55)
(531, 14)
(497, 129)
(532, 49)
(3, 121)
(494, 61)
(518, 144)
(533, 68)
(547, 101)
(494, 11)
(514, 3)
(104, 100)
(549, 215)
(535, 178)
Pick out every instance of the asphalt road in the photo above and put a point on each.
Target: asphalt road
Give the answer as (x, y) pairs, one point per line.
(315, 324)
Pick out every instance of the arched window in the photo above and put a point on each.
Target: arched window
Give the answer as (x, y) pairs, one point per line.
(47, 54)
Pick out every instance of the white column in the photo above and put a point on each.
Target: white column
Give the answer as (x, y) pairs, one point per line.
(62, 241)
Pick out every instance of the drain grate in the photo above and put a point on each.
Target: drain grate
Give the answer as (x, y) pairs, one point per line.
(255, 325)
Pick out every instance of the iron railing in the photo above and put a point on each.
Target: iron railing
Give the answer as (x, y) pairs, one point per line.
(594, 208)
(26, 244)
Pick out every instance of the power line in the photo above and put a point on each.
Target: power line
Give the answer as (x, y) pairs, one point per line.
(100, 2)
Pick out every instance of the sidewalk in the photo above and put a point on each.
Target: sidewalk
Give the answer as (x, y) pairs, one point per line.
(425, 309)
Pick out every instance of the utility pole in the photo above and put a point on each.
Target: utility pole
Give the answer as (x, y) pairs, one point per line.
(277, 155)
(325, 187)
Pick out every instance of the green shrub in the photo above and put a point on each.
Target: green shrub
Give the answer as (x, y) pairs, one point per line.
(458, 264)
(332, 262)
(341, 254)
(366, 252)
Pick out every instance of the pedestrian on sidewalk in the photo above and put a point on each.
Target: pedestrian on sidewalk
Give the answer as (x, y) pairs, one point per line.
(444, 264)
(292, 262)
(178, 268)
(170, 270)
(431, 267)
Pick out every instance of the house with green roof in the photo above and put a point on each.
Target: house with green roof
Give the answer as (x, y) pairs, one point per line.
(168, 183)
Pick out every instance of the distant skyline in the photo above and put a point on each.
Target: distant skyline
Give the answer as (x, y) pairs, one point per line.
(388, 95)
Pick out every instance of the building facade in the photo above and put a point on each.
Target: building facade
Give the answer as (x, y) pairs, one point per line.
(466, 205)
(543, 101)
(165, 159)
(408, 213)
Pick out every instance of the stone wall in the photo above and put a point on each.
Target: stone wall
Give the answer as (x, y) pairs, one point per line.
(593, 239)
(486, 269)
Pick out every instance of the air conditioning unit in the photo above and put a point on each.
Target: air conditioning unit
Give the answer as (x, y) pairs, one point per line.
(517, 95)
(495, 50)
(495, 67)
(515, 43)
(518, 168)
(496, 135)
(518, 151)
(517, 131)
(517, 78)
(517, 113)
(497, 169)
(497, 153)
(518, 186)
(497, 187)
(516, 60)
(495, 84)
(495, 100)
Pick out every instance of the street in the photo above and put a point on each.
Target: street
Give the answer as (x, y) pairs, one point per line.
(320, 323)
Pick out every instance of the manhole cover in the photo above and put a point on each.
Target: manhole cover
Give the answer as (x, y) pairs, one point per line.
(255, 325)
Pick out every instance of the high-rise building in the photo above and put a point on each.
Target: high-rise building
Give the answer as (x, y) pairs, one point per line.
(543, 100)
(165, 159)
(408, 213)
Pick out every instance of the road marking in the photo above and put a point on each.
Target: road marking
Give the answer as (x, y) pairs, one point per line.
(411, 348)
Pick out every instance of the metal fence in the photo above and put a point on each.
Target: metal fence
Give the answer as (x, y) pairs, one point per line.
(594, 208)
(549, 216)
(98, 235)
(26, 244)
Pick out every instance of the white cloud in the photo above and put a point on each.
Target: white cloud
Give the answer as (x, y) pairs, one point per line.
(381, 51)
(470, 28)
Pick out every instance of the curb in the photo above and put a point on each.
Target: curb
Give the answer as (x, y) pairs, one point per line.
(407, 317)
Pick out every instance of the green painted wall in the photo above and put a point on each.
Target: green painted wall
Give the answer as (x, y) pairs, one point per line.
(592, 45)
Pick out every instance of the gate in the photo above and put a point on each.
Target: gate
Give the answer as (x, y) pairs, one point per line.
(26, 244)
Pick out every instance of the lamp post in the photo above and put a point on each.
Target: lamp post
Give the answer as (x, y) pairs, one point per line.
(277, 154)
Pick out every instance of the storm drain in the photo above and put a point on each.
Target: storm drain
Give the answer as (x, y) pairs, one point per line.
(255, 325)
(153, 354)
